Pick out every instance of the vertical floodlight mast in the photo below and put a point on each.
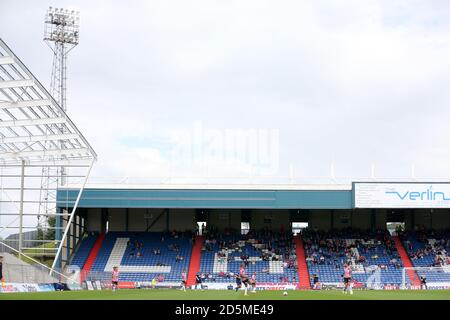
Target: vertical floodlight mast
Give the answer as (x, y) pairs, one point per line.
(61, 34)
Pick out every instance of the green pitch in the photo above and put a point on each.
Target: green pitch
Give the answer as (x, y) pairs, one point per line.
(170, 294)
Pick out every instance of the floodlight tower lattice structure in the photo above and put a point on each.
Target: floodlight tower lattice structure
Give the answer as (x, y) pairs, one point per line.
(62, 30)
(61, 33)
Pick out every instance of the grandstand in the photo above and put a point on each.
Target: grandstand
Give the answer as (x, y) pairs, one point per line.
(328, 251)
(286, 235)
(428, 249)
(143, 256)
(270, 255)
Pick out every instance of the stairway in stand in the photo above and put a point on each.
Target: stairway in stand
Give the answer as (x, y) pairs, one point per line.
(92, 256)
(413, 276)
(303, 274)
(194, 264)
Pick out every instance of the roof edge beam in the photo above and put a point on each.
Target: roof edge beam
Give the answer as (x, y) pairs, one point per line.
(31, 122)
(6, 60)
(53, 137)
(24, 104)
(16, 83)
(85, 162)
(42, 153)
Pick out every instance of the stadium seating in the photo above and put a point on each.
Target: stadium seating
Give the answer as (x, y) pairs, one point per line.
(79, 259)
(144, 256)
(135, 254)
(363, 250)
(429, 248)
(270, 255)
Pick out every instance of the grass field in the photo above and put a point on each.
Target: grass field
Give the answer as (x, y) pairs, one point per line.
(170, 294)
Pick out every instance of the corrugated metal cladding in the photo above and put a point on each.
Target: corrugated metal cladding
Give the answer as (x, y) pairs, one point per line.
(169, 198)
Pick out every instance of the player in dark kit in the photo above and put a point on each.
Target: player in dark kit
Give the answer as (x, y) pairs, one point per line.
(198, 281)
(238, 282)
(423, 282)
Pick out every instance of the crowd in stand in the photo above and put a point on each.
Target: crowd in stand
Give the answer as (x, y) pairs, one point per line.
(331, 247)
(137, 246)
(438, 249)
(271, 246)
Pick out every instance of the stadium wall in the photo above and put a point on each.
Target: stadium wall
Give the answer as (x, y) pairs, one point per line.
(440, 219)
(320, 220)
(138, 220)
(380, 219)
(361, 219)
(181, 219)
(271, 219)
(94, 220)
(225, 219)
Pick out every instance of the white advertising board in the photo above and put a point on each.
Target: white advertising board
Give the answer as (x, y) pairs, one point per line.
(25, 287)
(402, 195)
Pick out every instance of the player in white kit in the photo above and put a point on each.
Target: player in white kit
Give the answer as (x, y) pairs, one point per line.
(253, 282)
(115, 279)
(244, 279)
(348, 285)
(183, 280)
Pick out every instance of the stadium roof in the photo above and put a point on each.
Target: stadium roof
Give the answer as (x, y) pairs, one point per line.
(33, 127)
(176, 186)
(94, 184)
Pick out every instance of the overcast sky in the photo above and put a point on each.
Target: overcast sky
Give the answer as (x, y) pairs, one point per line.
(160, 88)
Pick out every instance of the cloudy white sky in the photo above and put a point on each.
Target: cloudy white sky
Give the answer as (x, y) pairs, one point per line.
(159, 87)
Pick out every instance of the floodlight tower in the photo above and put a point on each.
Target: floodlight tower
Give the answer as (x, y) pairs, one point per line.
(61, 34)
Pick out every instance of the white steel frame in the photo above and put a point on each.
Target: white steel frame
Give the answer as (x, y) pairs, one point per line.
(416, 269)
(35, 132)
